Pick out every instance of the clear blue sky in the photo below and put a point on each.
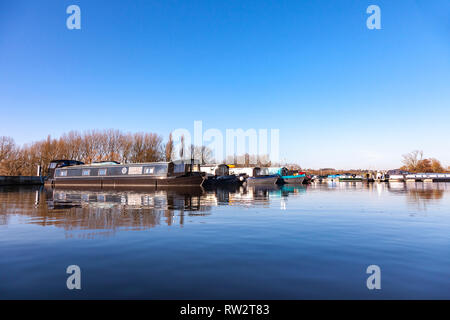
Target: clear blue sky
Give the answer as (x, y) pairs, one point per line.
(342, 95)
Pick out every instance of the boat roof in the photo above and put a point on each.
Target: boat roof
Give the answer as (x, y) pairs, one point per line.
(99, 164)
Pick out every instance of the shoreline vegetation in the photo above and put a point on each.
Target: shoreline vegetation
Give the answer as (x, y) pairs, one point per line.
(114, 145)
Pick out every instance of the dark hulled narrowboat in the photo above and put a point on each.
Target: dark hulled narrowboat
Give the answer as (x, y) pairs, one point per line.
(218, 175)
(113, 174)
(262, 176)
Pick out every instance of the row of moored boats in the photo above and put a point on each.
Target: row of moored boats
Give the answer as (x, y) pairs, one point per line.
(167, 174)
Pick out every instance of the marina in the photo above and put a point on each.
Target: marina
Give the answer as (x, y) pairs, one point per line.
(182, 173)
(224, 159)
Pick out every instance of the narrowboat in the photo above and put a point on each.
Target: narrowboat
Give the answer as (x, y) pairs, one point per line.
(397, 175)
(262, 176)
(428, 177)
(308, 178)
(243, 173)
(218, 175)
(333, 177)
(288, 176)
(255, 175)
(114, 174)
(348, 177)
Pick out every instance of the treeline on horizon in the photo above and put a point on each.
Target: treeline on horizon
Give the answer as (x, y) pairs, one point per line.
(415, 162)
(113, 145)
(98, 145)
(88, 146)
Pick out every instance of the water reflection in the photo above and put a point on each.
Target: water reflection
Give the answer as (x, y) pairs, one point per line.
(103, 212)
(106, 211)
(421, 194)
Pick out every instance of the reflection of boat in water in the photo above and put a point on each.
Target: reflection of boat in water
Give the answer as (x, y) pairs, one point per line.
(288, 189)
(293, 189)
(166, 199)
(419, 193)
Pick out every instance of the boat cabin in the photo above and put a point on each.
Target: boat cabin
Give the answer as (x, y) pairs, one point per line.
(215, 169)
(281, 171)
(70, 168)
(60, 164)
(247, 171)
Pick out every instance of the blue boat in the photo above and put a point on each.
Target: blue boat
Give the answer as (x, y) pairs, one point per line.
(287, 176)
(263, 176)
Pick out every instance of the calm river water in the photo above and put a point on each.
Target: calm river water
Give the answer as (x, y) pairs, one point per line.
(267, 243)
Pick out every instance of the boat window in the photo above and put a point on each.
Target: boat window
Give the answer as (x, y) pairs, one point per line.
(86, 172)
(63, 173)
(161, 169)
(52, 165)
(102, 172)
(178, 168)
(135, 170)
(149, 170)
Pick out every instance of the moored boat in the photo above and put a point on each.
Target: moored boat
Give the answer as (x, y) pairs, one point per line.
(112, 174)
(262, 176)
(428, 177)
(255, 175)
(348, 177)
(265, 179)
(397, 175)
(218, 175)
(288, 176)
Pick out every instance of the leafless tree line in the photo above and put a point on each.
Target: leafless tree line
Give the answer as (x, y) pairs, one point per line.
(104, 145)
(88, 146)
(415, 162)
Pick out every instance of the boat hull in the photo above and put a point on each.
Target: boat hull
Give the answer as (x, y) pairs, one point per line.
(263, 180)
(106, 182)
(222, 181)
(293, 179)
(350, 179)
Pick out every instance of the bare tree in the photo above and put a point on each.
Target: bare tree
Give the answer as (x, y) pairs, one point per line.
(412, 159)
(169, 148)
(7, 146)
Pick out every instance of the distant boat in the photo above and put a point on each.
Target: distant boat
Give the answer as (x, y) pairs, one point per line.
(218, 175)
(112, 174)
(263, 179)
(288, 176)
(348, 177)
(333, 177)
(428, 177)
(256, 175)
(397, 175)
